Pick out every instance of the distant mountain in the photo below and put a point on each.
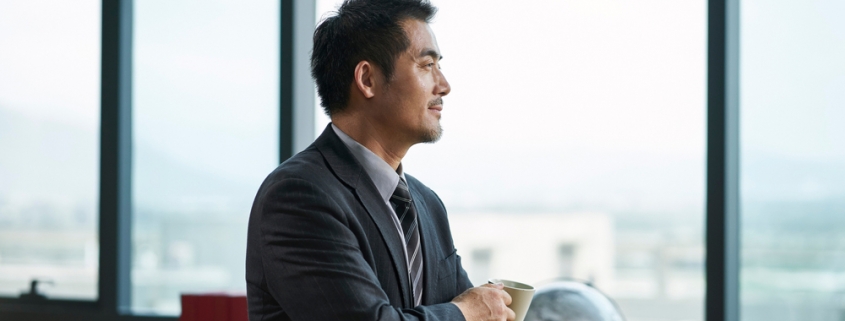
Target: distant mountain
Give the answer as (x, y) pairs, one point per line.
(163, 184)
(47, 158)
(59, 163)
(767, 177)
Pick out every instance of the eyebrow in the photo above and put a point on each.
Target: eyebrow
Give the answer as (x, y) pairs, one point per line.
(431, 53)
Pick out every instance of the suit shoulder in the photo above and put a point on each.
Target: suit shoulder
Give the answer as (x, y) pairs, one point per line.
(306, 178)
(304, 165)
(308, 166)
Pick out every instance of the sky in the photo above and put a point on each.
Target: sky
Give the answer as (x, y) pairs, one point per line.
(49, 102)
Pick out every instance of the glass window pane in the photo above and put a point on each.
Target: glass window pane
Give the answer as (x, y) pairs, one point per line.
(205, 134)
(573, 146)
(49, 147)
(793, 160)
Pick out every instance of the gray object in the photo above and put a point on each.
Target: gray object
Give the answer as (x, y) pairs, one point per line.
(572, 301)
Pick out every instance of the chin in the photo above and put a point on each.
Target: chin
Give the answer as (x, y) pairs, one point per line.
(432, 135)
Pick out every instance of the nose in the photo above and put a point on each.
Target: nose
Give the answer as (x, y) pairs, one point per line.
(442, 88)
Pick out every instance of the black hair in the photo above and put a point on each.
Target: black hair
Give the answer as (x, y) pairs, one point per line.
(360, 30)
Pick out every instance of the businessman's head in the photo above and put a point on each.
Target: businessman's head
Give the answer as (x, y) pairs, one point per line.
(379, 60)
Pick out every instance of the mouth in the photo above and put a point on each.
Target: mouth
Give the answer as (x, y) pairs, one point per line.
(436, 105)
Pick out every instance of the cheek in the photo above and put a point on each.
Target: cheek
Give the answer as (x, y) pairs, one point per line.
(426, 82)
(417, 94)
(413, 96)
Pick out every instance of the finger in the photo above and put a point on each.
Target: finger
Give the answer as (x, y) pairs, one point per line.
(511, 314)
(497, 286)
(506, 297)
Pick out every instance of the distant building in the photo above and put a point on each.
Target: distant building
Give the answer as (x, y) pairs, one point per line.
(536, 248)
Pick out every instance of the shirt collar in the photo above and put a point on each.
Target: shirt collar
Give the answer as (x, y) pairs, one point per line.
(380, 172)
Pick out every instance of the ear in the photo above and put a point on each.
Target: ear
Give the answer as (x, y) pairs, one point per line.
(365, 78)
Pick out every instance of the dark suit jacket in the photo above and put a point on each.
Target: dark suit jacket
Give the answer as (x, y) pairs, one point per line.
(322, 245)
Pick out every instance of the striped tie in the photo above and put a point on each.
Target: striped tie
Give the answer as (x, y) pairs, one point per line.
(404, 208)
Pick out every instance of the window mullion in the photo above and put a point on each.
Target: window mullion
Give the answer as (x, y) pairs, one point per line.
(116, 156)
(722, 264)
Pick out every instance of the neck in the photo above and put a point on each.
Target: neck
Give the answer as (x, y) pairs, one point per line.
(378, 139)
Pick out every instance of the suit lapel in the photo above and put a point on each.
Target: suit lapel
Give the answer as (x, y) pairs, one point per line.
(380, 214)
(347, 168)
(430, 252)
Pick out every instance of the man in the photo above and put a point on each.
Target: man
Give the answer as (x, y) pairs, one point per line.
(339, 231)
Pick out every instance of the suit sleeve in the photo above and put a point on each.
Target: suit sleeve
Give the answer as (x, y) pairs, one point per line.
(314, 268)
(463, 283)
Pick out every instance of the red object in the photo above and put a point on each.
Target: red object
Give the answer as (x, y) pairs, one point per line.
(213, 307)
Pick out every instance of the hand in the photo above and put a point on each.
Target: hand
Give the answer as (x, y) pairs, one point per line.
(485, 303)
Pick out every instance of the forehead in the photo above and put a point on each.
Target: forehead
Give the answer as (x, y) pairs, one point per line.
(420, 35)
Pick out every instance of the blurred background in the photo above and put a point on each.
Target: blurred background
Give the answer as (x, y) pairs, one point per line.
(576, 129)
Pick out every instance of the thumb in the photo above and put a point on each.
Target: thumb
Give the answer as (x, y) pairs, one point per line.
(497, 285)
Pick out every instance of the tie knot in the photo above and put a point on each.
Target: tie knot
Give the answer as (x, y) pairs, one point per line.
(401, 192)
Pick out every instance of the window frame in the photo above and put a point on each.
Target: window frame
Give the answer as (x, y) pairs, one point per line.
(296, 131)
(722, 244)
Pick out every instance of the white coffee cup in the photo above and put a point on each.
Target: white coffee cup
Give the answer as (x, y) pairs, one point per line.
(521, 295)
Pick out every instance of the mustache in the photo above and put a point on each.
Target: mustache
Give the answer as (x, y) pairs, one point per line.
(438, 101)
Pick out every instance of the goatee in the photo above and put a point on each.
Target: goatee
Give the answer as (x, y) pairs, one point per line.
(432, 136)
